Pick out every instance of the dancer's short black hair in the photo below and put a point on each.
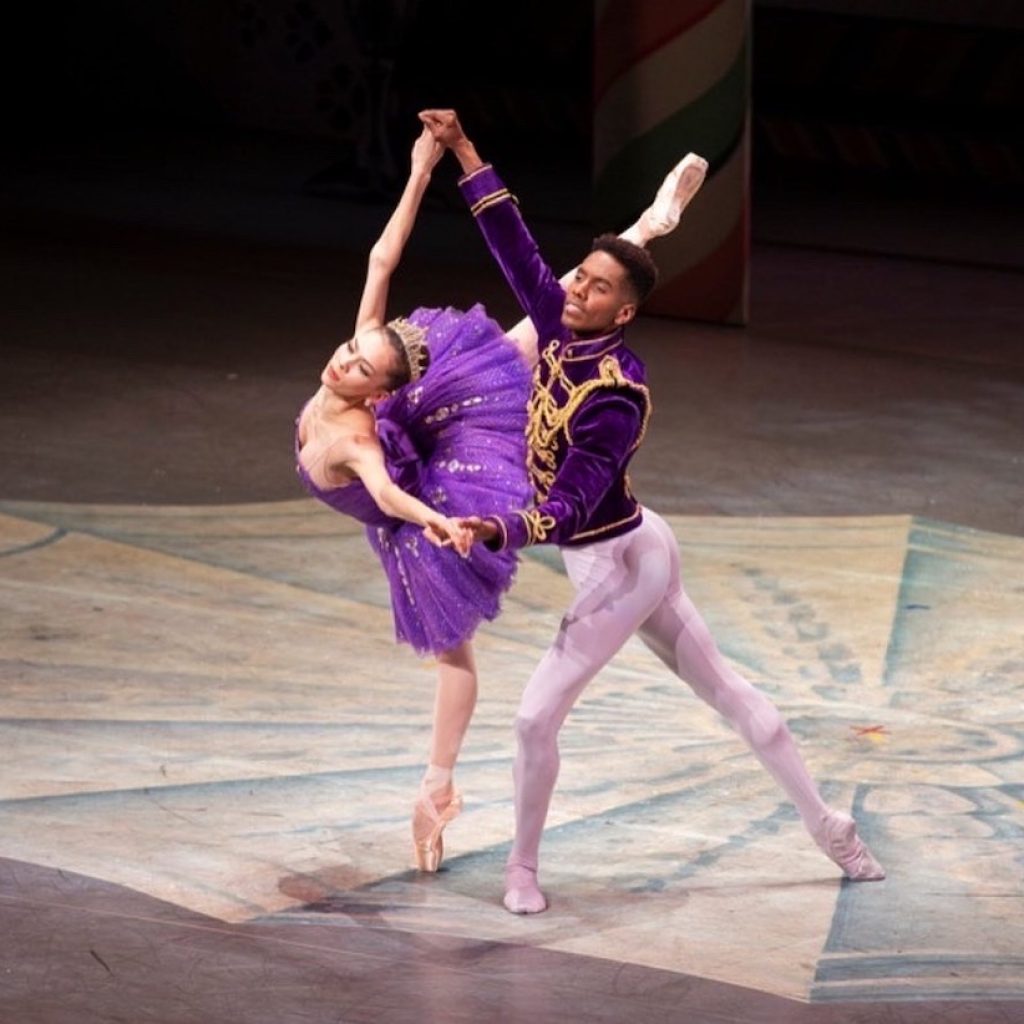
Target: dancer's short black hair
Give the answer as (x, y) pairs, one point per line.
(641, 270)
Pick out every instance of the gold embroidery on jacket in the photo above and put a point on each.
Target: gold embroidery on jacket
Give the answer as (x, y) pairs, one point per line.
(547, 419)
(597, 530)
(538, 526)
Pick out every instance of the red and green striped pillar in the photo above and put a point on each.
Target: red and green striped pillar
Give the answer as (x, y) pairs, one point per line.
(673, 76)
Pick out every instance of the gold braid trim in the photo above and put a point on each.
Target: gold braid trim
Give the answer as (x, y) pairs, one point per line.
(538, 526)
(489, 200)
(635, 514)
(547, 418)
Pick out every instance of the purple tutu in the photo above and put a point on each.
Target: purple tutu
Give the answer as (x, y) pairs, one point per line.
(456, 440)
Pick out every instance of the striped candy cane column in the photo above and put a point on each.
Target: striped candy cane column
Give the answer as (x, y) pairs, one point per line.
(673, 76)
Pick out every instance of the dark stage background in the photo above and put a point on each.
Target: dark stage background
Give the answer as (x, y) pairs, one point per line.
(898, 100)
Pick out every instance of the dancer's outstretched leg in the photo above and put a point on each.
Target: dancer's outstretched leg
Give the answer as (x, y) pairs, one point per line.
(438, 800)
(679, 187)
(681, 184)
(618, 582)
(678, 635)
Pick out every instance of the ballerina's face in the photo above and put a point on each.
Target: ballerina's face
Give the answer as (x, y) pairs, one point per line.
(361, 367)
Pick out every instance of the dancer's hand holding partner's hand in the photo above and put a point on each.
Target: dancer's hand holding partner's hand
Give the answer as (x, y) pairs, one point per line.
(444, 532)
(482, 530)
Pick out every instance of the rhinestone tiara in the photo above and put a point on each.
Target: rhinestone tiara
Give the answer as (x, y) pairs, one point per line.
(414, 341)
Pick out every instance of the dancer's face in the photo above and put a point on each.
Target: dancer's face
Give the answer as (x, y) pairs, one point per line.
(361, 367)
(598, 298)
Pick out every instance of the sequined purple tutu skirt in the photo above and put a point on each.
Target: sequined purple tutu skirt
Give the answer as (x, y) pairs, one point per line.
(455, 439)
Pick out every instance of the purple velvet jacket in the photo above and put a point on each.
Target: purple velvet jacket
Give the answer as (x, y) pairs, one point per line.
(589, 406)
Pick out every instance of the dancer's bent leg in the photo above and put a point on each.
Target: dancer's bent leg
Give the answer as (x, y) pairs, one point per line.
(438, 800)
(676, 632)
(618, 582)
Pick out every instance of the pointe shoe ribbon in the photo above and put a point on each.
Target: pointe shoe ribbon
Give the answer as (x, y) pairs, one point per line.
(837, 837)
(428, 850)
(679, 187)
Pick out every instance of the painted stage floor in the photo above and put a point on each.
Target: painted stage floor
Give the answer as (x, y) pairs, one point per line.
(209, 730)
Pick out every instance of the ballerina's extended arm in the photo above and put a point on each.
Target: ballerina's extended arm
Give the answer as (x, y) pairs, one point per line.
(387, 250)
(365, 458)
(364, 455)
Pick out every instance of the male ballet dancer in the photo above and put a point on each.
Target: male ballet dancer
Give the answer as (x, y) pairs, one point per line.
(587, 417)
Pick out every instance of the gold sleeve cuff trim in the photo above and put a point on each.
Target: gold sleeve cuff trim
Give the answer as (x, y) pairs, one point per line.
(538, 525)
(491, 199)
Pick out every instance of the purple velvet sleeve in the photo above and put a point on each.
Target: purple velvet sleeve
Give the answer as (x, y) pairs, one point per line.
(604, 433)
(513, 247)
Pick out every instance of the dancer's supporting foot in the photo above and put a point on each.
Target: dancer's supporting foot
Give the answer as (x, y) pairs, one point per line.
(837, 837)
(522, 894)
(438, 800)
(437, 804)
(680, 186)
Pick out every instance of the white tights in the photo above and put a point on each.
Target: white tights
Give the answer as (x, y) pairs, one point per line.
(628, 585)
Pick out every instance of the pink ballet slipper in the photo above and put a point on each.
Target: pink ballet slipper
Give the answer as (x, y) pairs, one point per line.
(428, 824)
(522, 895)
(837, 837)
(678, 188)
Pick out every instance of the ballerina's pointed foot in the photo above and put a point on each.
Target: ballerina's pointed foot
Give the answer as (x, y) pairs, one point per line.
(428, 824)
(678, 188)
(838, 839)
(522, 895)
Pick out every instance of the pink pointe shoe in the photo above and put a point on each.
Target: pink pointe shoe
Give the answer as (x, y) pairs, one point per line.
(522, 895)
(678, 188)
(838, 839)
(427, 825)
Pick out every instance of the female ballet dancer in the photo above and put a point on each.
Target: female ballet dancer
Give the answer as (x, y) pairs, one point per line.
(419, 420)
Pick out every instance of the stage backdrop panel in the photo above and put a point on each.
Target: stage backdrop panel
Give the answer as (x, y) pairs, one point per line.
(670, 78)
